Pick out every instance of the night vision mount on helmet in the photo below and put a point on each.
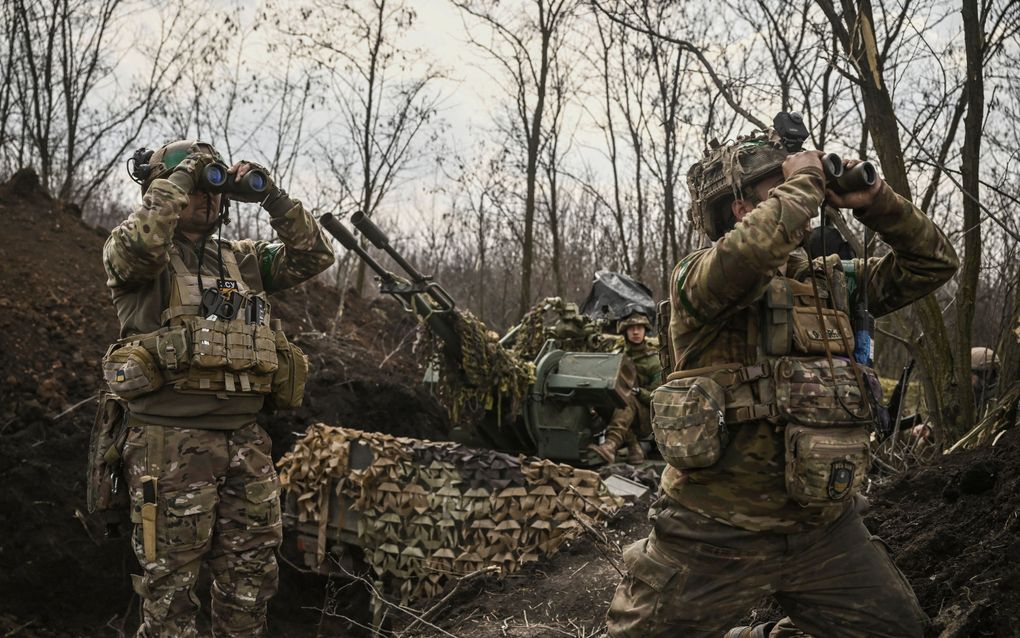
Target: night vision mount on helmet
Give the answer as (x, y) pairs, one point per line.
(727, 169)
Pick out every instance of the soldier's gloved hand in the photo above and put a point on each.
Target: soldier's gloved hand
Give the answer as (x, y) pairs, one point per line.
(855, 199)
(240, 169)
(186, 173)
(796, 162)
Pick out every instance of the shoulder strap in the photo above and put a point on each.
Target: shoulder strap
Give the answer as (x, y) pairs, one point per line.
(230, 263)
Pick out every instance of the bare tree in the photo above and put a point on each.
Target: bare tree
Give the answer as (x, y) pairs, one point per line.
(383, 94)
(525, 44)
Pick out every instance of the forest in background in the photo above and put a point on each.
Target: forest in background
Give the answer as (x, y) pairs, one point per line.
(570, 155)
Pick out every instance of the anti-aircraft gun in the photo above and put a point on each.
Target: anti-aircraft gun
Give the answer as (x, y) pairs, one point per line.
(560, 394)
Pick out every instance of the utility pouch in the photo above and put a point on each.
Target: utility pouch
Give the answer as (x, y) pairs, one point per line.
(105, 489)
(266, 360)
(809, 335)
(131, 371)
(208, 342)
(240, 345)
(689, 421)
(288, 387)
(172, 349)
(825, 465)
(809, 393)
(777, 328)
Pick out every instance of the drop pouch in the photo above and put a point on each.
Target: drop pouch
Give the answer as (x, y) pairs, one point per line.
(824, 466)
(131, 371)
(288, 386)
(105, 489)
(689, 421)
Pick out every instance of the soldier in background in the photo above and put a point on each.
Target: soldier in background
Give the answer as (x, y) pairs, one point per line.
(633, 421)
(984, 378)
(197, 360)
(767, 420)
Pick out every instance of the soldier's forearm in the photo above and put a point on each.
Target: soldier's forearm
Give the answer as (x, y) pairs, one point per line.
(732, 271)
(922, 258)
(305, 252)
(137, 249)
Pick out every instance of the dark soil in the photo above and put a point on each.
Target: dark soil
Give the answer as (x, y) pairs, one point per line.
(952, 527)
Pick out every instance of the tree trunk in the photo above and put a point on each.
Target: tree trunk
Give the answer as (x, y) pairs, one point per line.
(880, 119)
(970, 173)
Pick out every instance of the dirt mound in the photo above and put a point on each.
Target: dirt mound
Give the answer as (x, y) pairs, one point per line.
(56, 320)
(953, 528)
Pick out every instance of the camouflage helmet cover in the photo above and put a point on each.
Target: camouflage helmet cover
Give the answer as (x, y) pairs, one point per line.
(725, 170)
(168, 156)
(983, 359)
(634, 319)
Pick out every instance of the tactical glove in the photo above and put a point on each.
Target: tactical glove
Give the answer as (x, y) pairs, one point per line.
(269, 191)
(186, 173)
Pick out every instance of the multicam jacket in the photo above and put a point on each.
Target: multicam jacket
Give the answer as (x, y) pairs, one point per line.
(138, 257)
(649, 370)
(717, 292)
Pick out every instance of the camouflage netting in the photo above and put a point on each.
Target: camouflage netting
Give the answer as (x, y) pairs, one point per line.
(484, 367)
(427, 511)
(571, 330)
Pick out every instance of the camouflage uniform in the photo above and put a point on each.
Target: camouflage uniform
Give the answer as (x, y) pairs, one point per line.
(633, 420)
(217, 492)
(728, 534)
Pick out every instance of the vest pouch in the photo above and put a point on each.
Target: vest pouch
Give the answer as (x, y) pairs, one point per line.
(240, 345)
(809, 336)
(208, 342)
(809, 393)
(689, 421)
(824, 466)
(288, 386)
(172, 349)
(131, 371)
(266, 361)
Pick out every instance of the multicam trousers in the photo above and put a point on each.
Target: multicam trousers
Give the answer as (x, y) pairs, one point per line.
(217, 502)
(629, 422)
(695, 577)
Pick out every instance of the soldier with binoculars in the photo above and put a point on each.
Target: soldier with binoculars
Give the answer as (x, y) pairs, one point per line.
(199, 357)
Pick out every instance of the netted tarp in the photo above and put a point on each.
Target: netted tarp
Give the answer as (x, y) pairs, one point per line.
(428, 512)
(614, 295)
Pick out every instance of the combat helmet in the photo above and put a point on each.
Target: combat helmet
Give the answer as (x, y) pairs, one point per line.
(149, 166)
(634, 319)
(723, 173)
(983, 359)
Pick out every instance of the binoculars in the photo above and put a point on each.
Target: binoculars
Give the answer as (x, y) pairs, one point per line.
(216, 179)
(840, 180)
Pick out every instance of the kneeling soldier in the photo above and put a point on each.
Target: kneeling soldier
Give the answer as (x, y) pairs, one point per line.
(766, 419)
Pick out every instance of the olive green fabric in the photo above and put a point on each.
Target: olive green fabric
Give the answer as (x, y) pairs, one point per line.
(715, 318)
(695, 577)
(137, 257)
(633, 420)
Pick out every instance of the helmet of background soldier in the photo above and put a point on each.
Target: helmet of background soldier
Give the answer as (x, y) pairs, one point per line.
(167, 157)
(634, 319)
(983, 359)
(722, 175)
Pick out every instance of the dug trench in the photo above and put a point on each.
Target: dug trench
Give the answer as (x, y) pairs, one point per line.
(952, 526)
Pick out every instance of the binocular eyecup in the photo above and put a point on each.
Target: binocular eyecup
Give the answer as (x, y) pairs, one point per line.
(839, 180)
(216, 179)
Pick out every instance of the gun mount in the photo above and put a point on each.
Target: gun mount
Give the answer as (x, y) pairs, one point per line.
(563, 408)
